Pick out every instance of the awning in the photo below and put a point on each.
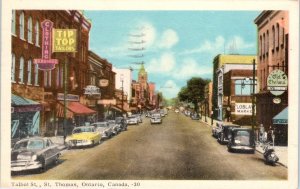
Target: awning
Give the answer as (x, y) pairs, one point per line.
(281, 118)
(73, 108)
(21, 104)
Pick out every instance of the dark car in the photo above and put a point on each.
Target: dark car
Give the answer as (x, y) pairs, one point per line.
(33, 153)
(223, 135)
(195, 116)
(123, 123)
(241, 139)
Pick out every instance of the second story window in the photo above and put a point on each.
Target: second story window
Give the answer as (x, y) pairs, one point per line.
(13, 67)
(21, 71)
(21, 25)
(29, 67)
(37, 33)
(244, 86)
(29, 29)
(13, 22)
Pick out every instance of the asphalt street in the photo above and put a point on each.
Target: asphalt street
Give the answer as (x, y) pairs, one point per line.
(177, 149)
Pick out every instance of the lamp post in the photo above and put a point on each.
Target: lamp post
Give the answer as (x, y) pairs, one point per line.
(205, 108)
(122, 81)
(65, 73)
(253, 91)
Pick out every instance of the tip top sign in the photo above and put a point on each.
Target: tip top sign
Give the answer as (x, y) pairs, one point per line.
(64, 40)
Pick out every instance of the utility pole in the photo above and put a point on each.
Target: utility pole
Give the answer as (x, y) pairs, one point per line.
(253, 93)
(122, 96)
(65, 98)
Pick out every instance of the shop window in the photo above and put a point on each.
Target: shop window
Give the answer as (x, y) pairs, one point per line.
(29, 29)
(13, 22)
(29, 65)
(21, 25)
(13, 67)
(21, 71)
(36, 34)
(244, 86)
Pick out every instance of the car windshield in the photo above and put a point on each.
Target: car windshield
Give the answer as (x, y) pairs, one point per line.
(131, 117)
(242, 138)
(30, 145)
(156, 115)
(83, 130)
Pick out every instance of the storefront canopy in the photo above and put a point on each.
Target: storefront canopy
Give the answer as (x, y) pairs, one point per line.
(73, 108)
(21, 104)
(281, 118)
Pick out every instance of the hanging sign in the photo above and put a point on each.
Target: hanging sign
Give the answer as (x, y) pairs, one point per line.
(103, 82)
(243, 109)
(46, 63)
(64, 40)
(277, 82)
(91, 90)
(276, 100)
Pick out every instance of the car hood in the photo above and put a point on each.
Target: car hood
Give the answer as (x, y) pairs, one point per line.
(22, 154)
(81, 136)
(102, 129)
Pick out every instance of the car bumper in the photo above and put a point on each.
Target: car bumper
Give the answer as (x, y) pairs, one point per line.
(74, 143)
(244, 148)
(132, 122)
(155, 121)
(25, 165)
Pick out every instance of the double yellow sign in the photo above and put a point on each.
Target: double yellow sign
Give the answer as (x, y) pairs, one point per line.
(64, 40)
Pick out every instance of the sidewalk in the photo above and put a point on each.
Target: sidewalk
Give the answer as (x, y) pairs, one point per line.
(280, 151)
(59, 140)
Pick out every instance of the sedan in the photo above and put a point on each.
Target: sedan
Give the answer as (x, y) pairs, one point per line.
(132, 120)
(105, 130)
(34, 153)
(116, 127)
(83, 136)
(155, 118)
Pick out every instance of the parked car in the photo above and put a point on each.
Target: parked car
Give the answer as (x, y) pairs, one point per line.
(83, 136)
(123, 123)
(132, 120)
(116, 127)
(195, 116)
(216, 129)
(139, 117)
(155, 118)
(105, 130)
(223, 135)
(177, 111)
(241, 139)
(34, 153)
(162, 113)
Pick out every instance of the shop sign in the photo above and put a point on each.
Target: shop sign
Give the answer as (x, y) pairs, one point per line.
(103, 82)
(64, 40)
(107, 101)
(69, 97)
(243, 109)
(91, 90)
(276, 100)
(277, 82)
(46, 63)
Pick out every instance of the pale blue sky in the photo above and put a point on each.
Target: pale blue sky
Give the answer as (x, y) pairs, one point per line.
(178, 44)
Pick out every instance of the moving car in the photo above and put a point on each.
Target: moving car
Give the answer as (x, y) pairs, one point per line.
(132, 120)
(241, 139)
(224, 135)
(83, 136)
(155, 118)
(105, 130)
(34, 153)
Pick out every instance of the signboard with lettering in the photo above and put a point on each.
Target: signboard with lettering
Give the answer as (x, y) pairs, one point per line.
(91, 90)
(107, 101)
(243, 109)
(103, 82)
(64, 40)
(277, 82)
(46, 63)
(69, 97)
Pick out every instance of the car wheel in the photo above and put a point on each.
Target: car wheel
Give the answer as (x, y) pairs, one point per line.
(222, 138)
(43, 168)
(56, 160)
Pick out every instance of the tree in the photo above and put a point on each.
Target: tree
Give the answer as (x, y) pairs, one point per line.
(194, 91)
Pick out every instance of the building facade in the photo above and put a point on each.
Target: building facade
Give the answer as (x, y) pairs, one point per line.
(47, 87)
(273, 46)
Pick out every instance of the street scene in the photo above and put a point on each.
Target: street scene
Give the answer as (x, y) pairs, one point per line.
(139, 95)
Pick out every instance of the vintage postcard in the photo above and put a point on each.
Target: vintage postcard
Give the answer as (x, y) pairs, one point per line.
(149, 94)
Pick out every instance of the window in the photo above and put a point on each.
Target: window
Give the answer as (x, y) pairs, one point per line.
(267, 42)
(21, 25)
(282, 44)
(45, 78)
(36, 75)
(244, 86)
(50, 78)
(36, 34)
(261, 46)
(273, 37)
(29, 29)
(13, 67)
(21, 70)
(13, 22)
(264, 44)
(29, 65)
(57, 76)
(277, 35)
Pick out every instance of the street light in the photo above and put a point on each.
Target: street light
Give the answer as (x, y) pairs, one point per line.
(122, 81)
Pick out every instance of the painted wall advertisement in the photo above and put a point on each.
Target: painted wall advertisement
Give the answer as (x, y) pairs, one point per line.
(64, 40)
(243, 109)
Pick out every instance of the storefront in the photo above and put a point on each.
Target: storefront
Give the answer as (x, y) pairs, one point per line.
(280, 124)
(25, 117)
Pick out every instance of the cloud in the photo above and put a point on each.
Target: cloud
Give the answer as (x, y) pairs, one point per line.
(170, 89)
(219, 45)
(148, 31)
(168, 39)
(164, 64)
(190, 68)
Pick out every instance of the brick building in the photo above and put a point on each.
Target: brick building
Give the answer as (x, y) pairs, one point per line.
(273, 44)
(47, 87)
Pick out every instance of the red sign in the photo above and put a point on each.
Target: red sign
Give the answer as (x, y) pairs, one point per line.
(46, 63)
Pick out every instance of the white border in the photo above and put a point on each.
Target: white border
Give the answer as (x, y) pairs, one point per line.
(292, 6)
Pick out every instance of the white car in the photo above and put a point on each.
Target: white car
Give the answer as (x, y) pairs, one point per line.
(155, 118)
(105, 130)
(132, 120)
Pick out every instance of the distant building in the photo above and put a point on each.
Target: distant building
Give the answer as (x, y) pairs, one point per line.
(221, 65)
(273, 52)
(124, 77)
